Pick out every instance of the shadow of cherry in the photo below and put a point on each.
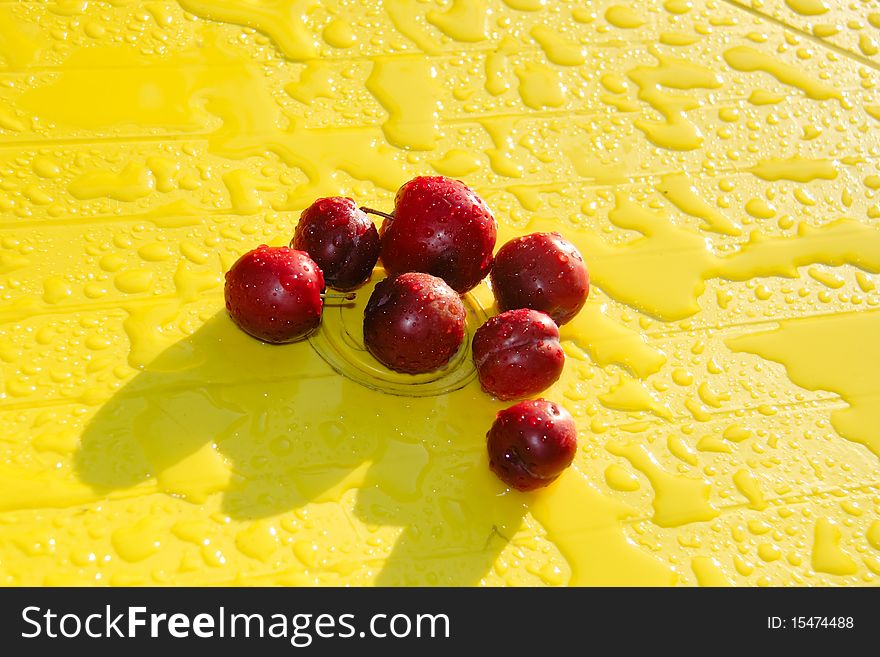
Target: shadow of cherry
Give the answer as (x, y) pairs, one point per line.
(274, 428)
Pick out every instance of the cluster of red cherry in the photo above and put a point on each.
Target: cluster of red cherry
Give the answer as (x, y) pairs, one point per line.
(436, 245)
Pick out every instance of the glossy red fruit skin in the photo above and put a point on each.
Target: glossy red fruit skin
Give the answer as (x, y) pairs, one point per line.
(517, 354)
(531, 443)
(542, 271)
(441, 227)
(340, 237)
(274, 294)
(414, 323)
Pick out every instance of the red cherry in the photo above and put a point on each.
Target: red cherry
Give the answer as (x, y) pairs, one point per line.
(542, 271)
(414, 323)
(517, 354)
(341, 238)
(274, 293)
(441, 227)
(531, 443)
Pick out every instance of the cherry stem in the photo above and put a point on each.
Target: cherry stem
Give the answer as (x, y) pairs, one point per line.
(348, 296)
(376, 212)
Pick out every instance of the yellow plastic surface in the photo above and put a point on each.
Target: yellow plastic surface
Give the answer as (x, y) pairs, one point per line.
(715, 161)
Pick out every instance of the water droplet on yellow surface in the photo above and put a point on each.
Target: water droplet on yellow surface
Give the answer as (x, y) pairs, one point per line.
(828, 556)
(339, 34)
(623, 17)
(621, 479)
(678, 500)
(709, 572)
(139, 541)
(808, 7)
